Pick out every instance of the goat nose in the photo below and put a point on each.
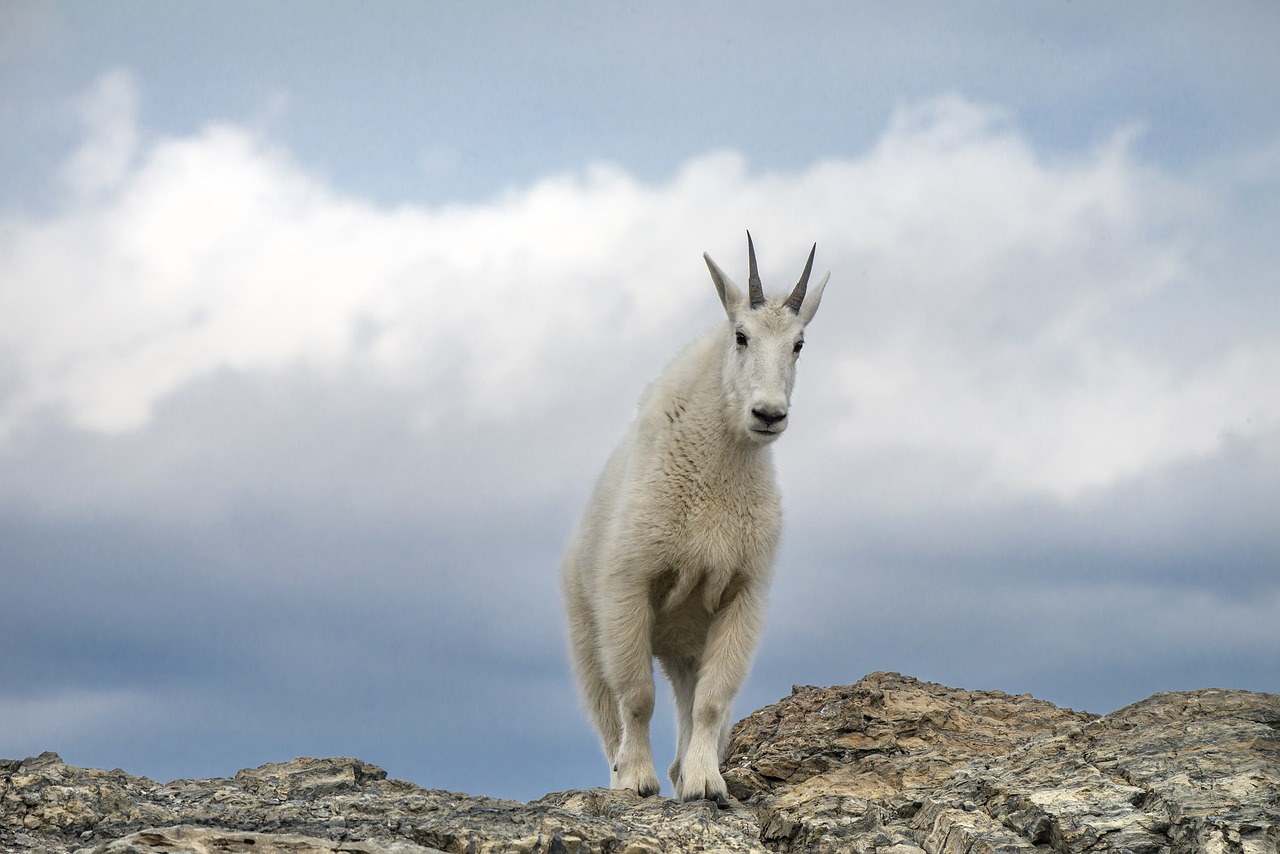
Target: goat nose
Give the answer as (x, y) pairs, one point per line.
(769, 416)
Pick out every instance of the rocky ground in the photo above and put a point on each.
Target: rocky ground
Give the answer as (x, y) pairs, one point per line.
(889, 764)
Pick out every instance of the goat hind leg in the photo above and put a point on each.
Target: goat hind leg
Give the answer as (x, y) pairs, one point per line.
(626, 648)
(682, 673)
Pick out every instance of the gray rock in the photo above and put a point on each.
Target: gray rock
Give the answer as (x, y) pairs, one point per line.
(343, 805)
(889, 764)
(190, 839)
(894, 764)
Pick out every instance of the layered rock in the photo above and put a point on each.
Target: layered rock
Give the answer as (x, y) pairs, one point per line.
(324, 805)
(895, 764)
(889, 764)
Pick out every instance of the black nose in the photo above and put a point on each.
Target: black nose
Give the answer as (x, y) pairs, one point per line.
(769, 416)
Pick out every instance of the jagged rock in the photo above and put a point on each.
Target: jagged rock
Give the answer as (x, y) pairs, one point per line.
(890, 764)
(311, 805)
(1196, 771)
(841, 769)
(190, 839)
(894, 764)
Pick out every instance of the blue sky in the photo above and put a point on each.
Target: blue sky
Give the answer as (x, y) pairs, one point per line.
(317, 322)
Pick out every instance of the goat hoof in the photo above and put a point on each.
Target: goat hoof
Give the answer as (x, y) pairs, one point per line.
(720, 799)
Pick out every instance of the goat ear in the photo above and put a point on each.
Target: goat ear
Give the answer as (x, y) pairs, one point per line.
(809, 307)
(730, 296)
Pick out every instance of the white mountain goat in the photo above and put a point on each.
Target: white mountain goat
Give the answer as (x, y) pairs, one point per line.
(675, 550)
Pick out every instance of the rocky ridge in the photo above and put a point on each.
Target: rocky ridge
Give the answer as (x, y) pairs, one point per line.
(889, 764)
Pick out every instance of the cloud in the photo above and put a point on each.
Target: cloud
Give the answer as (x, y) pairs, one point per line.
(270, 445)
(76, 713)
(991, 304)
(110, 116)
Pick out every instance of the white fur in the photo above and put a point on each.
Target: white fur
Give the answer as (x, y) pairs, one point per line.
(675, 550)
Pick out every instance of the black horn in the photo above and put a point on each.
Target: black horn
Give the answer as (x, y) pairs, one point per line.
(754, 289)
(797, 296)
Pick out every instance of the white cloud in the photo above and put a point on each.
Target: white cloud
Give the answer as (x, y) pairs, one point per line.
(982, 308)
(110, 115)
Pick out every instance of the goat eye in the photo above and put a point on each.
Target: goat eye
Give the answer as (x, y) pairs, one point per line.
(742, 338)
(799, 345)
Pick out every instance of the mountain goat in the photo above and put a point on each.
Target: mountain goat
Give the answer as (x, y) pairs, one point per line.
(674, 552)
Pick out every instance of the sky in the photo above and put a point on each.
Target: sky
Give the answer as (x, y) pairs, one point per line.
(317, 323)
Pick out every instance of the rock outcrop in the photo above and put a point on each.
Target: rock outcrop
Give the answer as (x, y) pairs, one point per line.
(889, 764)
(899, 765)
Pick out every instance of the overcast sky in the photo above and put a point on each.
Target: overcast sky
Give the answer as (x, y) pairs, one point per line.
(318, 321)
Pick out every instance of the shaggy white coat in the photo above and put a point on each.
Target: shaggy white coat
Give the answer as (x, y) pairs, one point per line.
(675, 550)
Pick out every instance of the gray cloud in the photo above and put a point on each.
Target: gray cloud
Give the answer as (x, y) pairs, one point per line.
(284, 471)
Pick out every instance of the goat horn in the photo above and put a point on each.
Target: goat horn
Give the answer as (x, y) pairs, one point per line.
(754, 289)
(797, 296)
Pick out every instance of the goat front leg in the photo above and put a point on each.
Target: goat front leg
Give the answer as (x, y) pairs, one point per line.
(726, 661)
(627, 623)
